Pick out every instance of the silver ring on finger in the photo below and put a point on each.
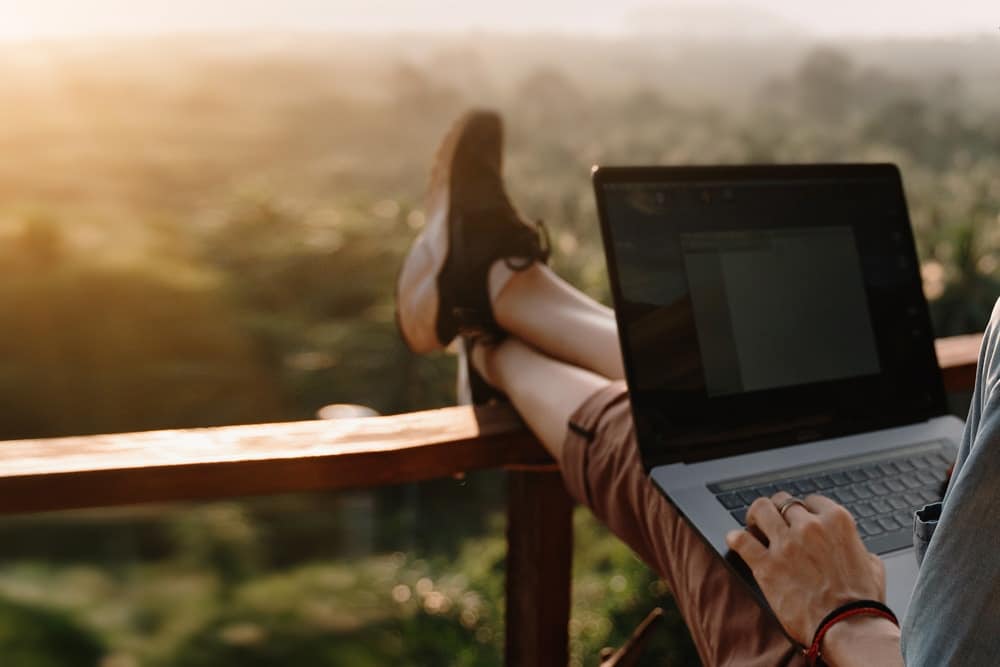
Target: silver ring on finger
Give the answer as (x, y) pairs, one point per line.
(788, 502)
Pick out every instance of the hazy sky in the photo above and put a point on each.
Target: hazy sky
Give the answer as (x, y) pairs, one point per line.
(32, 18)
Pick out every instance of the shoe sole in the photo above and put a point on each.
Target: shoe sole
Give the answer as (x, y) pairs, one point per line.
(418, 293)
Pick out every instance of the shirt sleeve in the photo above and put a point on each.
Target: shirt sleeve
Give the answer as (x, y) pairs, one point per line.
(954, 616)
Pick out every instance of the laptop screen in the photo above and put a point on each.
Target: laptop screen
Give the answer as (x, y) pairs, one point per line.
(760, 306)
(761, 298)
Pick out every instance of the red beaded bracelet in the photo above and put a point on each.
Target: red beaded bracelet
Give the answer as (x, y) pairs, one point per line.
(856, 608)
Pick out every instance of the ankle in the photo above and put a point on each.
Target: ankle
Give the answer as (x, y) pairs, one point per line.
(502, 280)
(497, 279)
(481, 358)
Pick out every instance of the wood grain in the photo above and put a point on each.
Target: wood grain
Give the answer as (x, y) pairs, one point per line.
(957, 357)
(232, 461)
(539, 569)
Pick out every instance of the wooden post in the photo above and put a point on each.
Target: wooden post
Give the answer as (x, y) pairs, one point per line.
(539, 561)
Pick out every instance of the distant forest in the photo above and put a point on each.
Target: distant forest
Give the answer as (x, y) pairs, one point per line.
(200, 231)
(204, 231)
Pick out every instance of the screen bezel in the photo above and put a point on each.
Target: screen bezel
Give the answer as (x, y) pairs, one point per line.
(793, 431)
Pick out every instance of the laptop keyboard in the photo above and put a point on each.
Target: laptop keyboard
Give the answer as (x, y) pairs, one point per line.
(882, 491)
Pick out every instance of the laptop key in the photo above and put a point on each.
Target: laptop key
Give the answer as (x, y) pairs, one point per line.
(904, 465)
(888, 523)
(840, 479)
(888, 468)
(767, 490)
(748, 496)
(844, 496)
(881, 506)
(864, 510)
(730, 501)
(861, 491)
(926, 476)
(824, 482)
(913, 500)
(895, 485)
(904, 518)
(887, 542)
(898, 503)
(804, 486)
(878, 488)
(910, 481)
(740, 516)
(857, 475)
(873, 472)
(921, 462)
(929, 495)
(869, 528)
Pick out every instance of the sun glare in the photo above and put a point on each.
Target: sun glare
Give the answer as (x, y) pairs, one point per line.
(21, 20)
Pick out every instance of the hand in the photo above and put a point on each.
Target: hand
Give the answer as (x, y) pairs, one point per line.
(808, 562)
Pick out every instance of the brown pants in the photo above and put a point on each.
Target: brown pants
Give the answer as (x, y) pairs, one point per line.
(602, 470)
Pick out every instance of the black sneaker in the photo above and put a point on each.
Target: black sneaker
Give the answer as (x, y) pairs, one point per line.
(471, 223)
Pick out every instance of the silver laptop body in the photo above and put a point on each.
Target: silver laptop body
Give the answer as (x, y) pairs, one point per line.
(775, 336)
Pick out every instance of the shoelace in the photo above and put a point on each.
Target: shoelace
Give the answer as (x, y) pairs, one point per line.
(542, 241)
(477, 323)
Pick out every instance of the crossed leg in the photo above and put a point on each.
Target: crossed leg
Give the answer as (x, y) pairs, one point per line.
(561, 367)
(563, 348)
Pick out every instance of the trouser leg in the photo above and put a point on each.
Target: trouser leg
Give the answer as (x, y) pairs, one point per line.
(603, 470)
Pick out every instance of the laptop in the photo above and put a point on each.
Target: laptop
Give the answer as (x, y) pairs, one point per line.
(776, 337)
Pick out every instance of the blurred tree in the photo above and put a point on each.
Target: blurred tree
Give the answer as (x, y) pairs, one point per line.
(825, 85)
(37, 637)
(219, 240)
(416, 92)
(903, 123)
(104, 349)
(223, 537)
(551, 96)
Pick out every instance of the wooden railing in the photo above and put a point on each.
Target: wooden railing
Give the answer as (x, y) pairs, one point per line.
(233, 461)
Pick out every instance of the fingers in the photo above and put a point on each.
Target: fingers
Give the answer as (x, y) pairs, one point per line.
(747, 546)
(820, 504)
(800, 522)
(764, 515)
(794, 513)
(834, 515)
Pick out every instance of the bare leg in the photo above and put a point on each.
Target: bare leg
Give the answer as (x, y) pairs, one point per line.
(546, 312)
(546, 392)
(727, 625)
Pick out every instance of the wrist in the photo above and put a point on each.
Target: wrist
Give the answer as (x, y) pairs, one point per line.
(854, 640)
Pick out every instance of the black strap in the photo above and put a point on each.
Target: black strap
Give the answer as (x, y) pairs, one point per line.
(857, 604)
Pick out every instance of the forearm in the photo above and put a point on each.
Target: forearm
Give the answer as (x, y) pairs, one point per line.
(862, 641)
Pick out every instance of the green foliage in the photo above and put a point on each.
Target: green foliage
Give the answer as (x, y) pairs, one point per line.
(97, 345)
(613, 591)
(221, 537)
(242, 267)
(33, 636)
(212, 236)
(274, 642)
(337, 615)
